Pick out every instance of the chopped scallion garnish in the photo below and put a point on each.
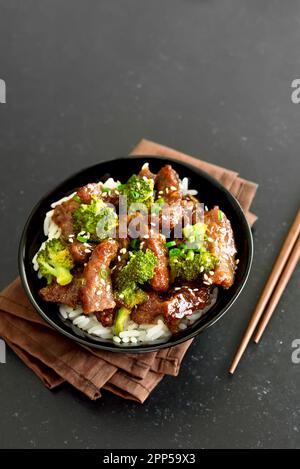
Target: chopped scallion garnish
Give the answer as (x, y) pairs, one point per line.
(170, 244)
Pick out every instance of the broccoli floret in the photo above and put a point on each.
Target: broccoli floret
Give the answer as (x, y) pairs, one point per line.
(138, 190)
(95, 218)
(132, 295)
(55, 261)
(137, 271)
(188, 265)
(195, 235)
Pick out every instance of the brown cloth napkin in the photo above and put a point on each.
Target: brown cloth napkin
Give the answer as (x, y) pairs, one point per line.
(56, 359)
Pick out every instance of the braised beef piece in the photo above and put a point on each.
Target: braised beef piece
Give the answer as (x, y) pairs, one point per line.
(81, 251)
(221, 244)
(96, 293)
(176, 306)
(106, 317)
(63, 217)
(148, 311)
(145, 171)
(156, 243)
(121, 258)
(66, 294)
(167, 184)
(86, 194)
(183, 302)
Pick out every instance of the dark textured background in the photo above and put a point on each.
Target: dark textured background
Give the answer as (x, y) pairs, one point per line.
(87, 80)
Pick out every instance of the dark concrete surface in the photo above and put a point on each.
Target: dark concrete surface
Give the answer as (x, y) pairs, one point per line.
(85, 81)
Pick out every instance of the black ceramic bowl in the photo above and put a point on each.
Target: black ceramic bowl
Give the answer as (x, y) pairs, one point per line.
(209, 191)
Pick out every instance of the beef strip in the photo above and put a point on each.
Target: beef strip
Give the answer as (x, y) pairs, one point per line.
(106, 317)
(145, 171)
(86, 193)
(148, 311)
(160, 280)
(168, 185)
(66, 294)
(183, 302)
(221, 244)
(177, 305)
(96, 293)
(122, 257)
(81, 251)
(63, 217)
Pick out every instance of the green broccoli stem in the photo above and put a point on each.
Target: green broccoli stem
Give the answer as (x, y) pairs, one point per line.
(120, 320)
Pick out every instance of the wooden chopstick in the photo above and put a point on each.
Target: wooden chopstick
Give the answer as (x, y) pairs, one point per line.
(282, 283)
(268, 289)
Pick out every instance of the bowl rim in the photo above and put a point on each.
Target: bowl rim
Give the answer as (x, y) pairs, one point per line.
(139, 348)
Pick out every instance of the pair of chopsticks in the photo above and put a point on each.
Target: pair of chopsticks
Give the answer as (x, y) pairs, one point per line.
(282, 271)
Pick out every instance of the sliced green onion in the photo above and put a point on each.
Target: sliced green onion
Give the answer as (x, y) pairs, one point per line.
(170, 244)
(220, 215)
(77, 198)
(82, 239)
(105, 189)
(135, 194)
(174, 252)
(121, 187)
(103, 273)
(183, 246)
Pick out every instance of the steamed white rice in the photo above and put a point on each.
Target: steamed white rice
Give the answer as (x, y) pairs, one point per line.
(134, 334)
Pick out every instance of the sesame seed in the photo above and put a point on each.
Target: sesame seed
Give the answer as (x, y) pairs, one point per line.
(123, 251)
(71, 236)
(206, 208)
(152, 223)
(237, 261)
(202, 269)
(119, 258)
(160, 192)
(71, 240)
(107, 288)
(206, 283)
(173, 188)
(196, 289)
(177, 288)
(205, 276)
(167, 190)
(87, 250)
(211, 272)
(98, 293)
(117, 339)
(121, 295)
(210, 239)
(146, 236)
